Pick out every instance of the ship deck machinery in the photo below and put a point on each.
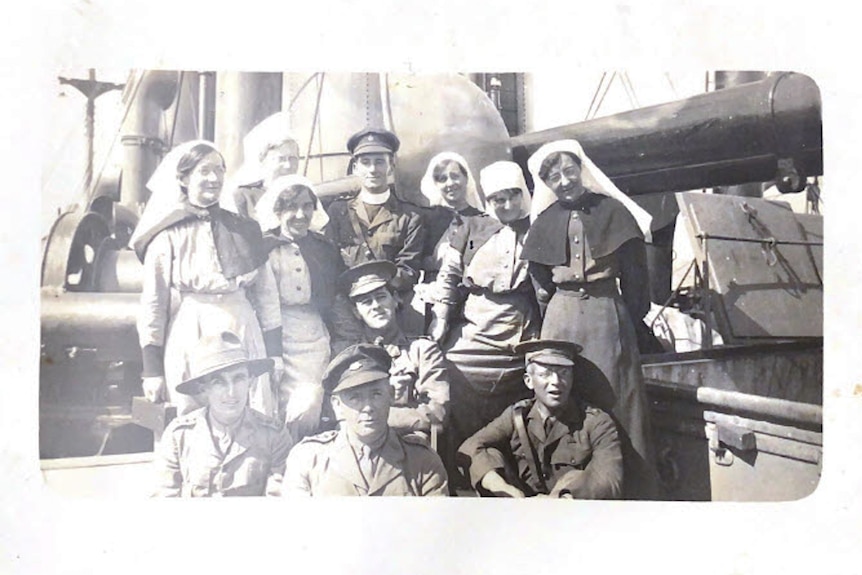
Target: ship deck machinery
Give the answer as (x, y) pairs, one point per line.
(741, 420)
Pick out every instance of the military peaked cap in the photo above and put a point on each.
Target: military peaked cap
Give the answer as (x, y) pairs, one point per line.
(357, 365)
(373, 141)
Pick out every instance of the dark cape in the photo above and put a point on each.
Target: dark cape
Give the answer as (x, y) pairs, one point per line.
(238, 241)
(324, 265)
(477, 230)
(607, 225)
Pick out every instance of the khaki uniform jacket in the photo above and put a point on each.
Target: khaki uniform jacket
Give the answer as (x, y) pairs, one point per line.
(395, 234)
(426, 402)
(325, 464)
(580, 455)
(189, 464)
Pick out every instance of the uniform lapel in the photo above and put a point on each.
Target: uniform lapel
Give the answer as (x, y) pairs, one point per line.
(243, 440)
(359, 208)
(200, 456)
(390, 465)
(535, 425)
(344, 463)
(383, 215)
(560, 429)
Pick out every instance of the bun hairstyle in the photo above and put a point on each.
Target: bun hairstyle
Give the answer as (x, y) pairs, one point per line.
(553, 160)
(192, 158)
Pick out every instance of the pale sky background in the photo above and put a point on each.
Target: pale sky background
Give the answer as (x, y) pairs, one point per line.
(554, 100)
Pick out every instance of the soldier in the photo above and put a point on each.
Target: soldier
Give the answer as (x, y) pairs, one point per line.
(552, 445)
(225, 448)
(376, 225)
(364, 456)
(419, 374)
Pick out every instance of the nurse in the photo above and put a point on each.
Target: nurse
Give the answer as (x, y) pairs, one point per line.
(306, 267)
(487, 303)
(205, 272)
(588, 262)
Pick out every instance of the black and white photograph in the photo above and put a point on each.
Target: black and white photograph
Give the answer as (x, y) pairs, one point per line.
(592, 280)
(627, 305)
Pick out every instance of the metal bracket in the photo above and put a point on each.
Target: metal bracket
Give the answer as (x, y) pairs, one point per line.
(155, 144)
(788, 180)
(723, 436)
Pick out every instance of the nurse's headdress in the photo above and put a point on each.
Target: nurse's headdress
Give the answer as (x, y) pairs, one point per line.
(592, 177)
(264, 210)
(429, 188)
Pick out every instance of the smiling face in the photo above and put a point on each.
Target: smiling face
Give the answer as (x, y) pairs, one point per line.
(281, 160)
(564, 178)
(451, 181)
(364, 410)
(552, 384)
(294, 211)
(506, 204)
(226, 393)
(376, 308)
(204, 182)
(373, 171)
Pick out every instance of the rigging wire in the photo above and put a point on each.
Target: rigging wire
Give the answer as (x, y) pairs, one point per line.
(313, 123)
(604, 94)
(596, 95)
(630, 89)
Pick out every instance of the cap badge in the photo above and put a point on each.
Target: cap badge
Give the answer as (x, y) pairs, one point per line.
(355, 366)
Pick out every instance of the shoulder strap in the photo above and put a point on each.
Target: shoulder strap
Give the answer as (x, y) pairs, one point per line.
(360, 233)
(532, 459)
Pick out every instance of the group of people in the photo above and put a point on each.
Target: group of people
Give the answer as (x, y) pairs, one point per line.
(286, 332)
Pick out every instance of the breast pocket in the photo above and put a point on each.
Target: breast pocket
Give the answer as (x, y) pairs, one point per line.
(571, 455)
(250, 477)
(388, 239)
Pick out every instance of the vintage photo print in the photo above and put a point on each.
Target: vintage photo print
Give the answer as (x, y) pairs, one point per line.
(456, 269)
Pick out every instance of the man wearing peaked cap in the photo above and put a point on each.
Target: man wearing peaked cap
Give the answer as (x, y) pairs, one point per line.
(224, 448)
(553, 444)
(419, 373)
(364, 456)
(373, 140)
(377, 225)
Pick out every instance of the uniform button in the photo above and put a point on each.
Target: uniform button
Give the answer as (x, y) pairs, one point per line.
(299, 269)
(577, 240)
(298, 288)
(581, 290)
(577, 256)
(296, 253)
(577, 277)
(574, 216)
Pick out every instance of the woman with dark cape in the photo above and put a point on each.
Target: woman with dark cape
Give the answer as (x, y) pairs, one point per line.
(205, 272)
(586, 235)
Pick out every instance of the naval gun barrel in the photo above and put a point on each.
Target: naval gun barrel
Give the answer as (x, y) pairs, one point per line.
(756, 132)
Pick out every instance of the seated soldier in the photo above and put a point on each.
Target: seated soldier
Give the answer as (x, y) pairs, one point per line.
(419, 374)
(224, 448)
(552, 445)
(364, 456)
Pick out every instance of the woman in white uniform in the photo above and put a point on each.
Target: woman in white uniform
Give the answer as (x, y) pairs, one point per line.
(306, 266)
(483, 278)
(205, 272)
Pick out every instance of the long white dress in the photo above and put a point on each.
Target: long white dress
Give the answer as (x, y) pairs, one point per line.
(185, 295)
